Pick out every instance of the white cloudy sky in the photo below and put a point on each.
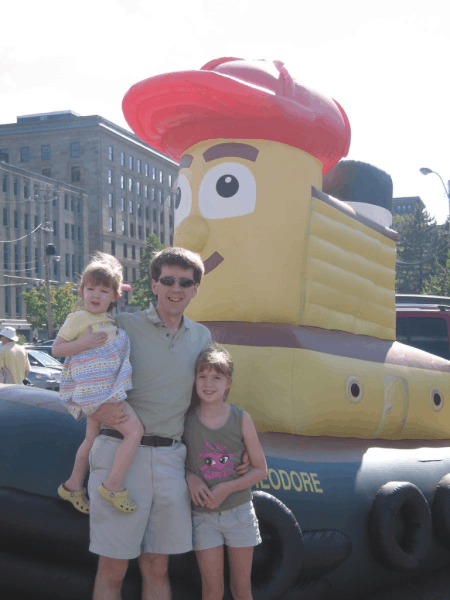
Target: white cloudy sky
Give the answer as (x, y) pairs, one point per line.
(385, 61)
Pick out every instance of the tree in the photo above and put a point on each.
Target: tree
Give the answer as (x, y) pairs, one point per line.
(420, 244)
(62, 299)
(142, 288)
(439, 283)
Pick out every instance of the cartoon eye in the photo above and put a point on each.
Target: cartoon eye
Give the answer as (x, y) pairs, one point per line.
(210, 461)
(224, 459)
(227, 190)
(183, 199)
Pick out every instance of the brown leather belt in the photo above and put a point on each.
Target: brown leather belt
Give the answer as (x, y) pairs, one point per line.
(146, 440)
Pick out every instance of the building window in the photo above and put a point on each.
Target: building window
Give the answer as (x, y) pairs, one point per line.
(66, 201)
(67, 265)
(37, 261)
(125, 276)
(36, 222)
(122, 182)
(110, 153)
(123, 228)
(72, 203)
(74, 266)
(67, 231)
(161, 218)
(26, 190)
(171, 239)
(169, 201)
(36, 191)
(152, 195)
(162, 237)
(138, 188)
(4, 154)
(130, 162)
(170, 180)
(79, 206)
(8, 301)
(16, 219)
(160, 196)
(111, 224)
(140, 232)
(72, 231)
(27, 260)
(138, 165)
(131, 229)
(80, 264)
(147, 232)
(5, 217)
(171, 221)
(75, 174)
(15, 187)
(130, 206)
(160, 176)
(18, 301)
(133, 252)
(110, 176)
(46, 152)
(16, 257)
(26, 221)
(125, 250)
(154, 173)
(147, 212)
(25, 154)
(122, 204)
(110, 200)
(139, 209)
(55, 229)
(80, 234)
(130, 184)
(55, 268)
(6, 257)
(146, 169)
(154, 215)
(47, 172)
(5, 183)
(145, 190)
(113, 247)
(75, 150)
(134, 273)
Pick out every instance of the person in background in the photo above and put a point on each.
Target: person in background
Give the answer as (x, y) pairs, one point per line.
(14, 364)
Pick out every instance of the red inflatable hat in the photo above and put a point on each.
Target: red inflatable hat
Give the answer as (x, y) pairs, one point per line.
(236, 99)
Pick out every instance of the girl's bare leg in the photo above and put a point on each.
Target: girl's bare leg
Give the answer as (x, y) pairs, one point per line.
(240, 560)
(210, 563)
(81, 465)
(132, 431)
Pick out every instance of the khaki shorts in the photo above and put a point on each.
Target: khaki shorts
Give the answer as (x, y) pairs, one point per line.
(236, 527)
(156, 481)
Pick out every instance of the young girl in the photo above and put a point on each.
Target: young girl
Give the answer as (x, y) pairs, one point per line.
(216, 436)
(97, 373)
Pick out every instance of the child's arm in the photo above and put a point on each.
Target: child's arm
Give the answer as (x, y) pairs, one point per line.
(198, 489)
(256, 473)
(87, 341)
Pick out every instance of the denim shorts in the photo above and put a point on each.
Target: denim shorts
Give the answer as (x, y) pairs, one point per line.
(236, 527)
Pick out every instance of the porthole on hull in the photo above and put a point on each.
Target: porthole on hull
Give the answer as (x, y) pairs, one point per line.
(354, 389)
(436, 399)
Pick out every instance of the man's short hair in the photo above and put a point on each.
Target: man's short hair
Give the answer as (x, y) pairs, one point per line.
(177, 257)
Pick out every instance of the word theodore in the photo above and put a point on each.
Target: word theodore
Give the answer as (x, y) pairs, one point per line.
(296, 480)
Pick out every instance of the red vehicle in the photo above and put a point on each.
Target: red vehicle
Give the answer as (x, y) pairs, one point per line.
(424, 322)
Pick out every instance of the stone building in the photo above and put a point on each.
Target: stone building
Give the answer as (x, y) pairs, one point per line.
(36, 211)
(130, 186)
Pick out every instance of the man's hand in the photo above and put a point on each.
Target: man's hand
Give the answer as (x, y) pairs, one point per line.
(112, 413)
(244, 467)
(218, 494)
(91, 340)
(199, 491)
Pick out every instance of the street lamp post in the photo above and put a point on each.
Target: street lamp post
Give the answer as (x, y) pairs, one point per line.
(426, 171)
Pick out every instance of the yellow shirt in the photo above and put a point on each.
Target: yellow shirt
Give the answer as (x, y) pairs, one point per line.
(77, 323)
(14, 359)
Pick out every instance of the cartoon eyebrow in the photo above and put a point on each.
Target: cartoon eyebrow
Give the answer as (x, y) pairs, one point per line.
(231, 149)
(186, 161)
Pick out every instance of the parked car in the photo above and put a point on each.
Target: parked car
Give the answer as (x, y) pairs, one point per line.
(44, 347)
(425, 325)
(45, 371)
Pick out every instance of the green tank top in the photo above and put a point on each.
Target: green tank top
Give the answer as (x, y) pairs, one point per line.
(213, 454)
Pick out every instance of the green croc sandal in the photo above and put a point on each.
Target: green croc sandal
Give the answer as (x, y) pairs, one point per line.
(77, 499)
(118, 499)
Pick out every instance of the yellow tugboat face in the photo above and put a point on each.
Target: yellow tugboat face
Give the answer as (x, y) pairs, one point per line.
(234, 198)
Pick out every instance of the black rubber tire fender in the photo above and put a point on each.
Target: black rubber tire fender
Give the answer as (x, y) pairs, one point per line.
(400, 526)
(278, 560)
(440, 509)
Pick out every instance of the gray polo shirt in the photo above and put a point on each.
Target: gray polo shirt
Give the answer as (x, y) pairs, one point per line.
(163, 369)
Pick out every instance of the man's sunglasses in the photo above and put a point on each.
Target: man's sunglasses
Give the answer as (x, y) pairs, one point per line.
(184, 282)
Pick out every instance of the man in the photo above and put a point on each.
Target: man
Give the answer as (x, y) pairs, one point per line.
(14, 364)
(164, 348)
